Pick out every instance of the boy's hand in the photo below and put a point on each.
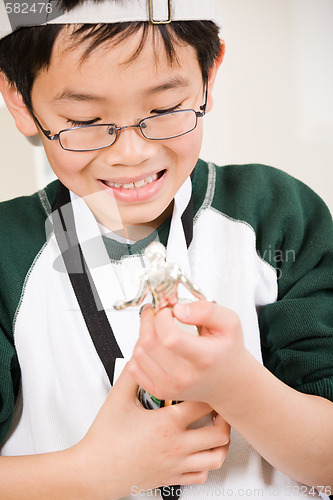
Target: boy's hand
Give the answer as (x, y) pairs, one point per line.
(129, 448)
(172, 364)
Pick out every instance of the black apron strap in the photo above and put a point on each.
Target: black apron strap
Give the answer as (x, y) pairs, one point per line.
(87, 296)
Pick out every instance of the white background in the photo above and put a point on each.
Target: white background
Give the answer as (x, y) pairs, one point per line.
(273, 98)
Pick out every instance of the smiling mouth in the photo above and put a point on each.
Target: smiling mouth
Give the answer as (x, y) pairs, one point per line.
(135, 185)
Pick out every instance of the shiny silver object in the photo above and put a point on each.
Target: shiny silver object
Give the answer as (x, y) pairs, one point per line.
(161, 279)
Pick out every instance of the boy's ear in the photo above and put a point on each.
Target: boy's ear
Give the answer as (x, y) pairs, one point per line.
(14, 102)
(212, 76)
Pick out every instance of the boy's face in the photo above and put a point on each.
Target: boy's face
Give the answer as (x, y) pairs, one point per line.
(105, 88)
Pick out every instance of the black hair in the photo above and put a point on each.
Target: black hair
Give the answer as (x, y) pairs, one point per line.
(27, 51)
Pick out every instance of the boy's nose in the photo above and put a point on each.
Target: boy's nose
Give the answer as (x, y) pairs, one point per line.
(131, 148)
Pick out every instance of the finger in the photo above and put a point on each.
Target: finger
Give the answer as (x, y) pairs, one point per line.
(146, 318)
(207, 460)
(148, 338)
(141, 377)
(150, 346)
(158, 333)
(190, 411)
(220, 423)
(177, 340)
(126, 384)
(190, 478)
(208, 314)
(144, 308)
(208, 437)
(147, 375)
(158, 362)
(143, 366)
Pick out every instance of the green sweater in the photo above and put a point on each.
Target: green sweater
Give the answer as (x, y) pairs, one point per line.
(293, 236)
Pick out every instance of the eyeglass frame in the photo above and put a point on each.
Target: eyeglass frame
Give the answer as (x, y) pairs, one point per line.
(56, 137)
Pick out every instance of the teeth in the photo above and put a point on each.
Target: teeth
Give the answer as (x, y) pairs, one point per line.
(139, 184)
(133, 185)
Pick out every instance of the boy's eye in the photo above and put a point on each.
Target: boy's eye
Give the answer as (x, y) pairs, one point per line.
(169, 110)
(76, 123)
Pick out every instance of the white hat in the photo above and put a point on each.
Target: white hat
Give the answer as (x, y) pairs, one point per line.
(15, 15)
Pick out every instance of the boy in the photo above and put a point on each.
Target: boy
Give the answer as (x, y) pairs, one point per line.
(119, 107)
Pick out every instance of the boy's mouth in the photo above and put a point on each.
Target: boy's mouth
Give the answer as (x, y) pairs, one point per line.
(137, 190)
(137, 184)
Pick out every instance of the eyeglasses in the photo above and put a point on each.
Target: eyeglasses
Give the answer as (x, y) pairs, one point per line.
(161, 127)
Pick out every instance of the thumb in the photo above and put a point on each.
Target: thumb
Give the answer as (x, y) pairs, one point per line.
(206, 314)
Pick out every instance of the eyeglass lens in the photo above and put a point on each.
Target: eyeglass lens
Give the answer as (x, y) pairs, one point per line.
(90, 137)
(169, 125)
(165, 126)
